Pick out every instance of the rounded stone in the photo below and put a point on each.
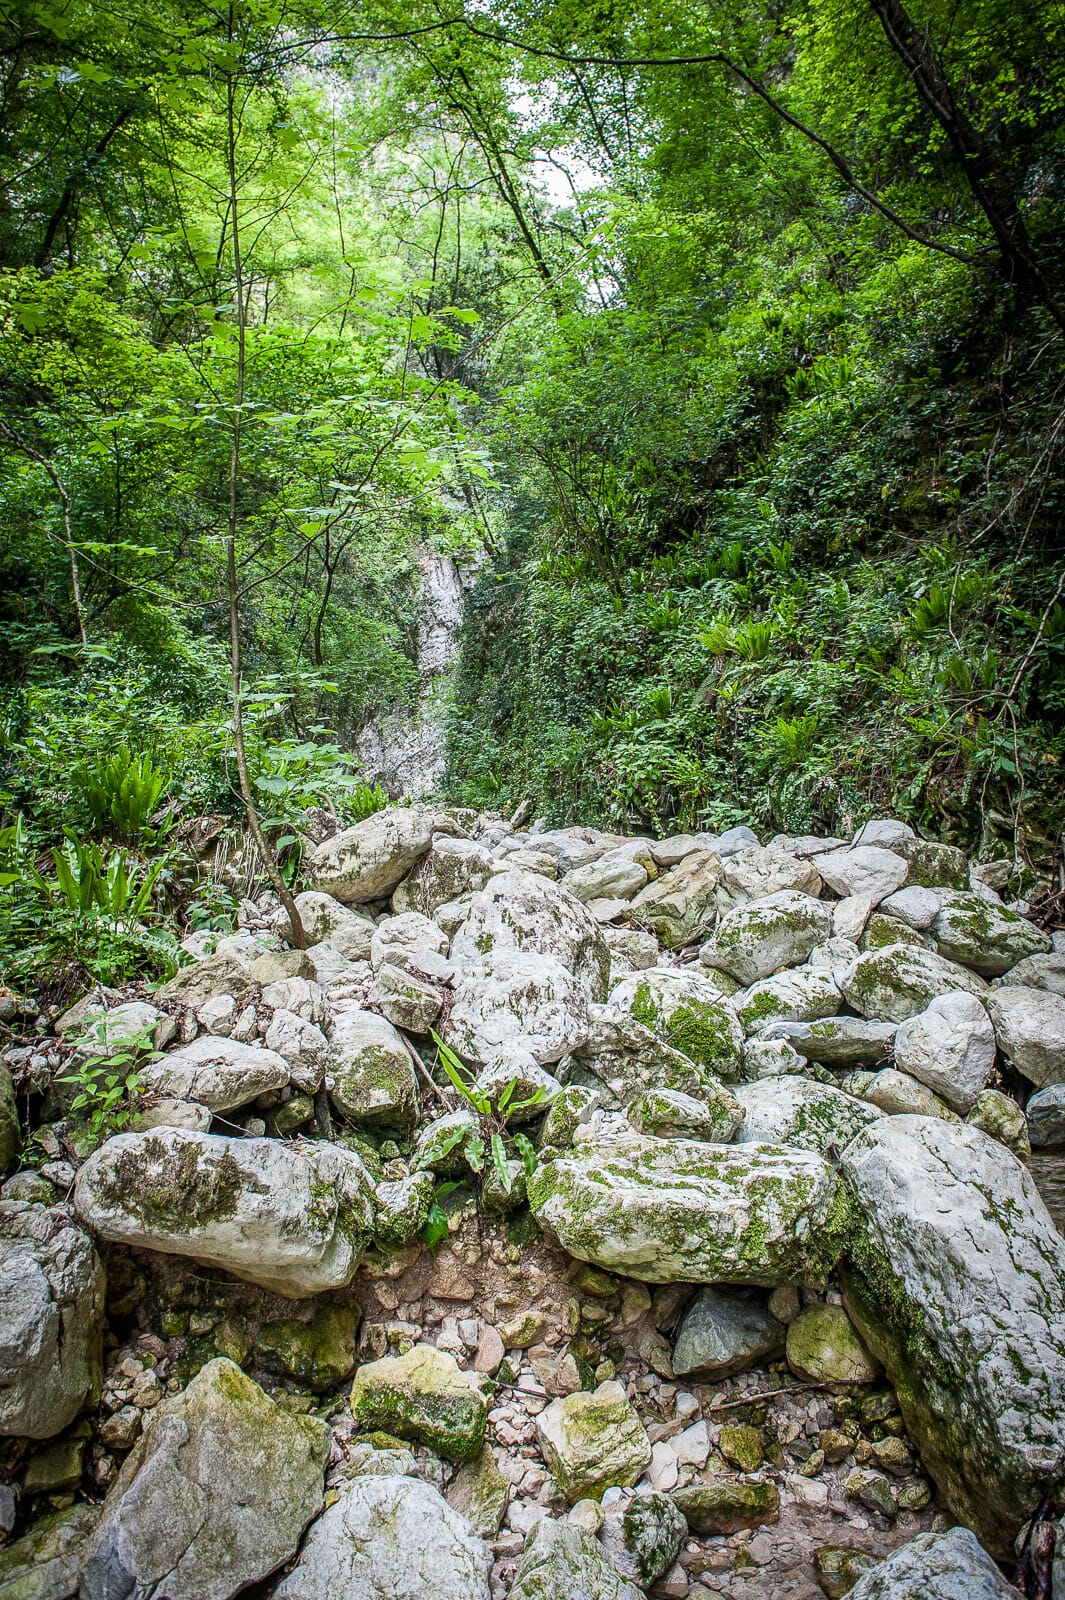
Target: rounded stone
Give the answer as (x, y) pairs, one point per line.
(822, 1347)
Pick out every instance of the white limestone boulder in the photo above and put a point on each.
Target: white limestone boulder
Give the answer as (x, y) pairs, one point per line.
(368, 861)
(949, 1047)
(217, 1072)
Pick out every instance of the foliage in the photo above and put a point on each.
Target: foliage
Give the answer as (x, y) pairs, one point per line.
(108, 1081)
(487, 1141)
(123, 795)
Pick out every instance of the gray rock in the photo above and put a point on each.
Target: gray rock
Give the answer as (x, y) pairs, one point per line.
(955, 1279)
(802, 994)
(304, 996)
(593, 1441)
(897, 1095)
(837, 1041)
(213, 1497)
(389, 1538)
(916, 906)
(521, 913)
(1030, 1030)
(562, 1561)
(327, 921)
(780, 931)
(46, 1562)
(686, 1010)
(674, 1211)
(170, 1113)
(796, 1112)
(1001, 1118)
(51, 1320)
(681, 904)
(643, 1535)
(986, 937)
(1046, 1117)
(754, 873)
(407, 934)
(949, 1047)
(901, 980)
(291, 1218)
(621, 1056)
(371, 1074)
(867, 869)
(216, 1072)
(668, 1115)
(301, 1045)
(368, 861)
(222, 972)
(10, 1132)
(406, 1000)
(936, 1566)
(614, 876)
(517, 1000)
(525, 1080)
(452, 870)
(725, 1331)
(631, 950)
(933, 865)
(883, 831)
(1037, 972)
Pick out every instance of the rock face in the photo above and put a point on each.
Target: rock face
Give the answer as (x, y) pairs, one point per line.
(371, 1071)
(671, 1210)
(219, 1073)
(780, 931)
(950, 1048)
(593, 1442)
(562, 1561)
(367, 862)
(213, 1496)
(295, 1219)
(1030, 1029)
(51, 1320)
(390, 1538)
(515, 1001)
(956, 1280)
(425, 1396)
(936, 1566)
(522, 912)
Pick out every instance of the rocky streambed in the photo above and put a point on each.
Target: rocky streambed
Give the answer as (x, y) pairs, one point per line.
(725, 1274)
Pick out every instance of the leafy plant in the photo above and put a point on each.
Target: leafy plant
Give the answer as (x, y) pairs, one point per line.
(124, 793)
(109, 1083)
(487, 1140)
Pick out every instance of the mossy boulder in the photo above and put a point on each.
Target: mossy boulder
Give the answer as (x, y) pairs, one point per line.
(480, 1493)
(987, 937)
(798, 1112)
(665, 1114)
(369, 860)
(823, 1347)
(10, 1132)
(1001, 1118)
(933, 865)
(402, 1207)
(643, 1536)
(563, 1561)
(424, 1396)
(682, 903)
(372, 1073)
(935, 1565)
(756, 940)
(319, 1354)
(741, 1446)
(673, 1210)
(46, 1562)
(687, 1012)
(593, 1441)
(800, 995)
(899, 981)
(523, 913)
(727, 1506)
(838, 1567)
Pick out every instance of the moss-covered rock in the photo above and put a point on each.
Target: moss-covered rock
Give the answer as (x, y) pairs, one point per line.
(480, 1493)
(372, 1071)
(564, 1561)
(682, 903)
(933, 865)
(425, 1396)
(823, 1347)
(741, 1446)
(899, 981)
(727, 1506)
(642, 1536)
(987, 937)
(319, 1353)
(593, 1442)
(780, 931)
(797, 1112)
(46, 1562)
(10, 1132)
(665, 1114)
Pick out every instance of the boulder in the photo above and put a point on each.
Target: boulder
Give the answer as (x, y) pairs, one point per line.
(727, 1506)
(46, 1562)
(563, 1561)
(897, 1095)
(291, 1218)
(802, 994)
(406, 1000)
(688, 1012)
(1037, 972)
(672, 1210)
(51, 1320)
(219, 1073)
(407, 934)
(451, 870)
(866, 869)
(1001, 1118)
(1030, 1030)
(933, 865)
(368, 861)
(798, 1112)
(222, 972)
(517, 1000)
(614, 876)
(681, 904)
(593, 1442)
(986, 937)
(402, 1208)
(10, 1132)
(757, 939)
(370, 1073)
(666, 1114)
(389, 1538)
(823, 1347)
(302, 1046)
(725, 1331)
(1046, 1118)
(423, 1395)
(955, 1279)
(935, 1566)
(213, 1496)
(901, 980)
(327, 921)
(319, 1353)
(883, 831)
(304, 996)
(837, 1041)
(521, 913)
(753, 873)
(949, 1047)
(621, 1058)
(631, 950)
(916, 906)
(643, 1536)
(135, 1026)
(478, 1491)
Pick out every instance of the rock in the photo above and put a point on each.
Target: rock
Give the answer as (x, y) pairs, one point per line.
(614, 876)
(326, 921)
(643, 1536)
(867, 870)
(986, 937)
(425, 1396)
(780, 931)
(440, 1143)
(727, 1506)
(901, 980)
(933, 865)
(387, 1537)
(223, 972)
(681, 904)
(570, 1108)
(797, 1112)
(837, 1568)
(511, 1000)
(949, 1047)
(294, 1219)
(304, 996)
(631, 950)
(850, 915)
(219, 1014)
(687, 1012)
(917, 907)
(10, 1132)
(899, 1095)
(770, 1058)
(452, 870)
(402, 1209)
(801, 995)
(883, 831)
(753, 873)
(371, 1073)
(995, 1114)
(741, 1446)
(593, 1441)
(871, 1490)
(213, 1497)
(1046, 1118)
(1037, 972)
(1030, 1030)
(667, 852)
(51, 1320)
(480, 1493)
(135, 1026)
(219, 1073)
(935, 1566)
(882, 931)
(823, 1347)
(668, 1115)
(838, 1041)
(302, 1046)
(368, 861)
(407, 934)
(526, 1081)
(563, 1561)
(275, 966)
(724, 1332)
(670, 1210)
(319, 1354)
(521, 913)
(955, 1279)
(46, 1562)
(56, 1467)
(406, 1000)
